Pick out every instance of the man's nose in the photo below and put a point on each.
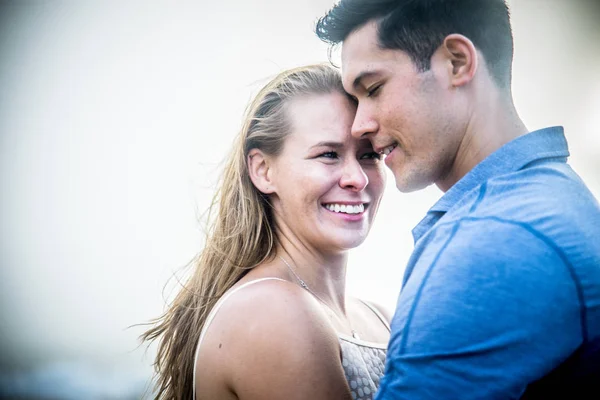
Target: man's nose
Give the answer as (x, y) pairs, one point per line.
(364, 124)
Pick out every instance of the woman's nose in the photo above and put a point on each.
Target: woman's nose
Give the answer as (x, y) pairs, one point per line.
(353, 176)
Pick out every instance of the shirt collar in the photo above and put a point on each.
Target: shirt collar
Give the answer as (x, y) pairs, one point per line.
(513, 156)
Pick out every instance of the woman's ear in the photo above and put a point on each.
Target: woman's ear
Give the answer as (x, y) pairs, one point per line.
(462, 55)
(260, 171)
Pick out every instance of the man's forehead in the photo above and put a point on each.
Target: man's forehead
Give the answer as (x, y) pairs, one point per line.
(360, 43)
(360, 53)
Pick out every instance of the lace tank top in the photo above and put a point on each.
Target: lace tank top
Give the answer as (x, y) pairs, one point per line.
(363, 361)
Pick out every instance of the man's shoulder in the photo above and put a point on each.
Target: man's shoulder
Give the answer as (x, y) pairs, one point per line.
(549, 180)
(534, 196)
(528, 213)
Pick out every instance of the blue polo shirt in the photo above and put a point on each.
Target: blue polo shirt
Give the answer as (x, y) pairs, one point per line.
(501, 296)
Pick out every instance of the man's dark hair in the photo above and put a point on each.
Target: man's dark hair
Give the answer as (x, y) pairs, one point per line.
(418, 27)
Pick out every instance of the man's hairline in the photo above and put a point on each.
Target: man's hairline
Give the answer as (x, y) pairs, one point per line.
(377, 20)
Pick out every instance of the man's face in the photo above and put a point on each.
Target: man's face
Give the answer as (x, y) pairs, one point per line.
(412, 115)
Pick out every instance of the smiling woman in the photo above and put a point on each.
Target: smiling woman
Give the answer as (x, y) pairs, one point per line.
(320, 159)
(266, 306)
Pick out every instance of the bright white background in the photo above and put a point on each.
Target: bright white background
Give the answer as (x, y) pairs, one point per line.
(114, 117)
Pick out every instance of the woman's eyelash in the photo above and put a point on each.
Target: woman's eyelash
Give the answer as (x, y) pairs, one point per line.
(329, 154)
(371, 155)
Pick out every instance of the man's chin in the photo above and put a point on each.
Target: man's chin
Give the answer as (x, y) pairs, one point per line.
(407, 185)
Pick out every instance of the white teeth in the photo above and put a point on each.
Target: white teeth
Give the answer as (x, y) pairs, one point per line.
(346, 208)
(388, 150)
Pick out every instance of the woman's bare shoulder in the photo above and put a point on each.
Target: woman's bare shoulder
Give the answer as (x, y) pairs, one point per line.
(271, 335)
(273, 307)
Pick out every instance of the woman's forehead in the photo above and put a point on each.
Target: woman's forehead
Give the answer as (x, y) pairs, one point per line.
(321, 117)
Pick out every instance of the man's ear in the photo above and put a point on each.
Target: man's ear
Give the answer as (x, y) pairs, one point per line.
(260, 171)
(462, 54)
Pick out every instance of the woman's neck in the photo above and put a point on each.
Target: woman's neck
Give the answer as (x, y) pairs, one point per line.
(324, 275)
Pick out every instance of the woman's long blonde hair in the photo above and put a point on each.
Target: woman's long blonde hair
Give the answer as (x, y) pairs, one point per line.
(240, 232)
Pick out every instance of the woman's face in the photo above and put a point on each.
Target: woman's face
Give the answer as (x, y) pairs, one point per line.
(327, 184)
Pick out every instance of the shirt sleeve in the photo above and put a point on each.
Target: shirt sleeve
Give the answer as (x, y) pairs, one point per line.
(490, 307)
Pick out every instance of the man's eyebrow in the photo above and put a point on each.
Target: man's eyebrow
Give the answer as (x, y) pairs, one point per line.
(363, 75)
(335, 145)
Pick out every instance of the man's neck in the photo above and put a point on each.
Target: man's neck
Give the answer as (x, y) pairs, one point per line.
(490, 127)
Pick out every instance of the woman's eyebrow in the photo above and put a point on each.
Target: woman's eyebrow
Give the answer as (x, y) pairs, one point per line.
(335, 145)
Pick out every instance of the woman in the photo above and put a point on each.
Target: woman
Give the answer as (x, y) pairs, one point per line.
(264, 315)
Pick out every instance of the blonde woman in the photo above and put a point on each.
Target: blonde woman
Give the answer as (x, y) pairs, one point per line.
(265, 315)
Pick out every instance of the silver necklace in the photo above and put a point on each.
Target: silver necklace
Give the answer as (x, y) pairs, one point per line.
(305, 286)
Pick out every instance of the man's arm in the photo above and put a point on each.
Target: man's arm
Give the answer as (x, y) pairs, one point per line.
(494, 309)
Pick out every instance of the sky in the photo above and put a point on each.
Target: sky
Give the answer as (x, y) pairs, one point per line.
(114, 117)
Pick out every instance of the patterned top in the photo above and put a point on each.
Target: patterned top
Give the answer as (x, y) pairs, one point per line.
(363, 361)
(363, 364)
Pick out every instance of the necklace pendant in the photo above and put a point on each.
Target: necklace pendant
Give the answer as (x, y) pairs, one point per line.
(355, 335)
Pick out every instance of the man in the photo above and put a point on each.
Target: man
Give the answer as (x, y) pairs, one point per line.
(501, 297)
